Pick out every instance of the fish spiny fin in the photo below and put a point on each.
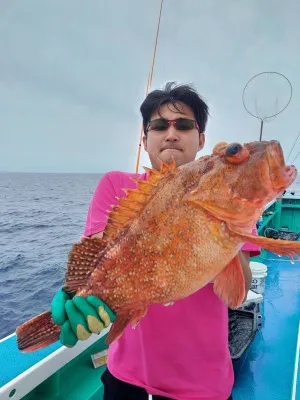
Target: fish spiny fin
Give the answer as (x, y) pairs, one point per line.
(152, 173)
(229, 284)
(83, 258)
(129, 207)
(166, 167)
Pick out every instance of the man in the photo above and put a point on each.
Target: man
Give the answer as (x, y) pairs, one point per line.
(176, 352)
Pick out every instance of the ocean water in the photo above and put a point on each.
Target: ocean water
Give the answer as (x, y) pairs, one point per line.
(41, 215)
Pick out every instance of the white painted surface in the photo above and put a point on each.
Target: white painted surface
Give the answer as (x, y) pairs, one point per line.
(7, 337)
(269, 204)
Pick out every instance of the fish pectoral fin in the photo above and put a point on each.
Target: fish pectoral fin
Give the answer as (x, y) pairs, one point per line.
(83, 258)
(229, 284)
(287, 248)
(124, 317)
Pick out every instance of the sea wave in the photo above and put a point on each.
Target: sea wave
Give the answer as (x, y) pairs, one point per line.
(41, 216)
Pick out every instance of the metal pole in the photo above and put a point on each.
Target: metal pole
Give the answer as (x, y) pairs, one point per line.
(261, 129)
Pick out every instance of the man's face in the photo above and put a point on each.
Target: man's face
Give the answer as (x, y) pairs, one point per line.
(172, 143)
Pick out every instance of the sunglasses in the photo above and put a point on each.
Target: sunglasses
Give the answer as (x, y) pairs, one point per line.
(162, 124)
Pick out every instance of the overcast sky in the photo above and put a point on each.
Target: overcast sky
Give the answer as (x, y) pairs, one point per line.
(73, 75)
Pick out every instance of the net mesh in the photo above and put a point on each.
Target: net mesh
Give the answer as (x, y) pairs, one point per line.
(266, 95)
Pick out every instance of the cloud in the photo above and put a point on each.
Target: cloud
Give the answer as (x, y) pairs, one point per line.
(72, 76)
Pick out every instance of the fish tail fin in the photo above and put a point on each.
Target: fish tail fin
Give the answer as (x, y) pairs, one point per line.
(124, 317)
(37, 333)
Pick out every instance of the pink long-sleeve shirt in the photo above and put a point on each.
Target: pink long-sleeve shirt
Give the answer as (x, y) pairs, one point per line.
(179, 351)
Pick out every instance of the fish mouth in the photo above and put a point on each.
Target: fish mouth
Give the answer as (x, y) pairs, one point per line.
(281, 175)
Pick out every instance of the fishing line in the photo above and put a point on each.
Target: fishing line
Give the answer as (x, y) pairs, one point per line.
(295, 157)
(293, 147)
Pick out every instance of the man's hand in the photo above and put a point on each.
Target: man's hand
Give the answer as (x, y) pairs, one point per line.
(244, 257)
(79, 317)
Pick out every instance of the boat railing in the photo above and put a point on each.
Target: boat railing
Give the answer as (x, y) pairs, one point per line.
(38, 369)
(274, 207)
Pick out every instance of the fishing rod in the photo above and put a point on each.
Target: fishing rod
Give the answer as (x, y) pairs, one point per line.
(149, 82)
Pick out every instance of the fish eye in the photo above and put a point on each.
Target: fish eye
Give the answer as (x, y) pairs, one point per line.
(233, 149)
(235, 153)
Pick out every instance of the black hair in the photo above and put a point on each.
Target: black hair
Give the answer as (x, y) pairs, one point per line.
(173, 94)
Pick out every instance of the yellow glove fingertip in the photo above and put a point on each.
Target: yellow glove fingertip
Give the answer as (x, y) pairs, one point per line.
(104, 316)
(94, 324)
(82, 333)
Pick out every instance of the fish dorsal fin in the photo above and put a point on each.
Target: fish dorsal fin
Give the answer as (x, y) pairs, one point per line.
(130, 206)
(83, 258)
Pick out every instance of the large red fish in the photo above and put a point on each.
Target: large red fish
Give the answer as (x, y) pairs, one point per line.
(175, 233)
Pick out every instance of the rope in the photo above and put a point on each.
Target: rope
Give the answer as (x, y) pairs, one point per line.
(149, 82)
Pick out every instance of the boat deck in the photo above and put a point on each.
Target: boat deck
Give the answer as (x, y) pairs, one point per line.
(268, 369)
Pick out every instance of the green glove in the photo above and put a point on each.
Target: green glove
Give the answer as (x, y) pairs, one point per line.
(79, 316)
(58, 311)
